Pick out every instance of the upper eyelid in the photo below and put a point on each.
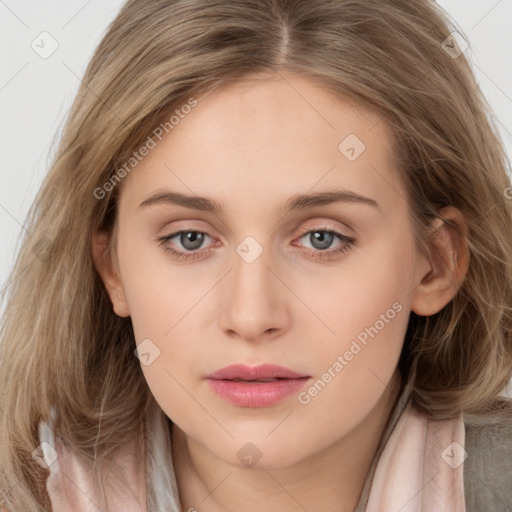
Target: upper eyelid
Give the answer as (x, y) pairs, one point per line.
(301, 232)
(318, 224)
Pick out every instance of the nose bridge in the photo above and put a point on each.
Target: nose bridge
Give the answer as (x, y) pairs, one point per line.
(252, 280)
(251, 266)
(253, 304)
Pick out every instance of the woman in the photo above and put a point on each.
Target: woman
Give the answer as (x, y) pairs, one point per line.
(270, 268)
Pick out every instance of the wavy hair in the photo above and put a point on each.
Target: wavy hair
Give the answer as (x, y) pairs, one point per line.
(63, 347)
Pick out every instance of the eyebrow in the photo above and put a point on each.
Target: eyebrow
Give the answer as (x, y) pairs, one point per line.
(296, 202)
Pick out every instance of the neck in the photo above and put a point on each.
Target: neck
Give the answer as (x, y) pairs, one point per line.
(330, 480)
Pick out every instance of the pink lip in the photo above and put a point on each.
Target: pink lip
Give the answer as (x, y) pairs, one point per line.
(255, 393)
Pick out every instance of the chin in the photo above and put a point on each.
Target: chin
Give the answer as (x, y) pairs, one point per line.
(260, 453)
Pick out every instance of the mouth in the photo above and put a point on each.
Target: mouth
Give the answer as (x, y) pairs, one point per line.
(260, 380)
(261, 373)
(254, 387)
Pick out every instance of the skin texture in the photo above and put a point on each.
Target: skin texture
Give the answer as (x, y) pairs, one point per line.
(250, 147)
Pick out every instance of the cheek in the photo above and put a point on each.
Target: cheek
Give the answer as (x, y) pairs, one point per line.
(159, 292)
(354, 370)
(369, 295)
(164, 303)
(170, 368)
(367, 312)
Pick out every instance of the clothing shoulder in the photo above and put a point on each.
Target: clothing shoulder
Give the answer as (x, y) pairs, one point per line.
(488, 466)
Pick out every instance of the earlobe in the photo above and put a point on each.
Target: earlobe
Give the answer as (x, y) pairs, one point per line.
(108, 273)
(448, 266)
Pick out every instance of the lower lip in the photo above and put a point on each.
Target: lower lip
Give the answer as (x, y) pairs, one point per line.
(256, 394)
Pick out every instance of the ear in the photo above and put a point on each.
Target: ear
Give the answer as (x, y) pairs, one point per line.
(448, 266)
(109, 273)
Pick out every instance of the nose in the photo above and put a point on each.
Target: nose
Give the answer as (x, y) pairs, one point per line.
(254, 303)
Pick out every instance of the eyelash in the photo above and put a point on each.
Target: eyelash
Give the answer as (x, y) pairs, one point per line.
(326, 255)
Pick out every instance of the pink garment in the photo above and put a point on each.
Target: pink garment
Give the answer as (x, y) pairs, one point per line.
(418, 467)
(72, 488)
(421, 467)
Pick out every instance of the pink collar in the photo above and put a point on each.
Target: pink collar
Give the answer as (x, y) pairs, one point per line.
(421, 467)
(417, 468)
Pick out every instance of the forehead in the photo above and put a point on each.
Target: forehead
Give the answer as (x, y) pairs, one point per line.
(269, 137)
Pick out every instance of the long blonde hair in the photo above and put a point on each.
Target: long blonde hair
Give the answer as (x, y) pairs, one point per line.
(63, 347)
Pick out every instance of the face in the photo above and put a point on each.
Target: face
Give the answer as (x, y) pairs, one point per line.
(320, 286)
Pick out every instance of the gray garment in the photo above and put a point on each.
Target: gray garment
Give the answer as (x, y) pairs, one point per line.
(487, 469)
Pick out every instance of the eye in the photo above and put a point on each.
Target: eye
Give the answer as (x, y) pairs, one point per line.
(191, 240)
(321, 239)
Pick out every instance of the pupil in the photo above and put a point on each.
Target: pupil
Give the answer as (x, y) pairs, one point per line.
(324, 238)
(193, 240)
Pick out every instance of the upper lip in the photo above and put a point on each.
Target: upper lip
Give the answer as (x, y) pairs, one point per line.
(264, 371)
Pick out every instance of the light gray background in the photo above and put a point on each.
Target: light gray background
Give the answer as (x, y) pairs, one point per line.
(36, 92)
